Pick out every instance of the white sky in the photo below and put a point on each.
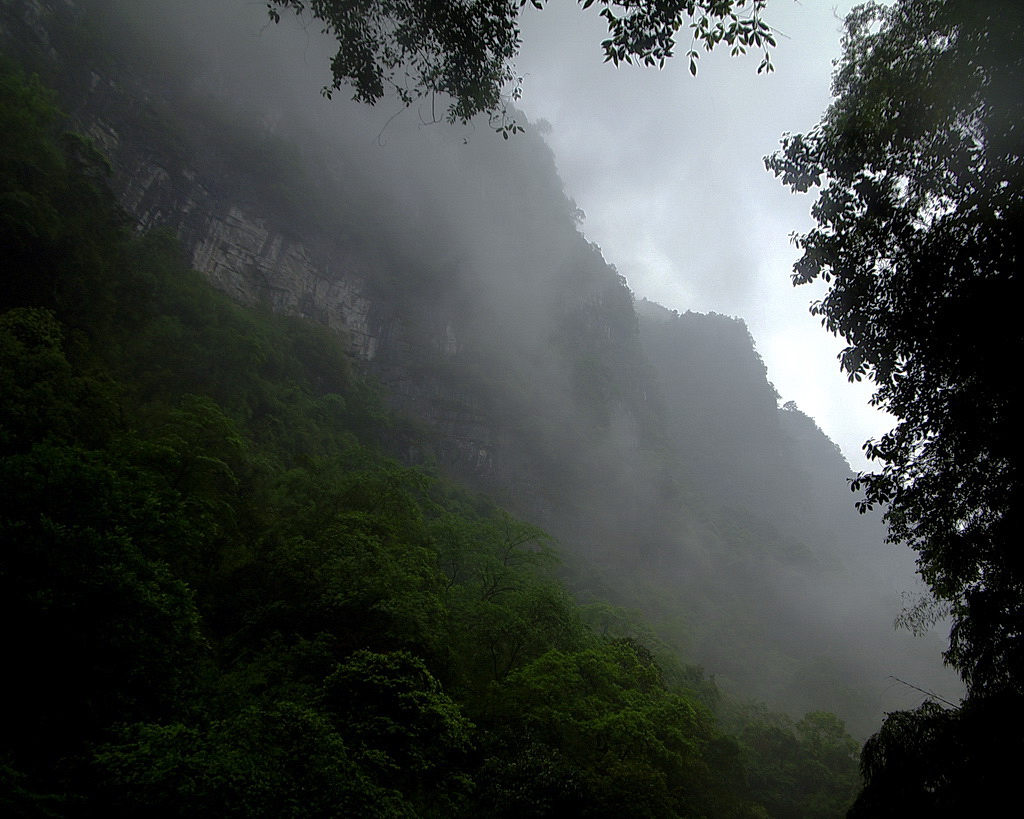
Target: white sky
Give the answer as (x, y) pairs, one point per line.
(669, 170)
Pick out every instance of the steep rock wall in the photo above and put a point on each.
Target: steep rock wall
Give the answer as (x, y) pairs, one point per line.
(173, 167)
(459, 279)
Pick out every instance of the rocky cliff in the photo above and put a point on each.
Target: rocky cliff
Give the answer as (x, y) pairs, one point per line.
(651, 445)
(179, 163)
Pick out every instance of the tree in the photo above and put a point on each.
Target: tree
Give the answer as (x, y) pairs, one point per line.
(920, 161)
(943, 762)
(598, 732)
(920, 158)
(57, 219)
(463, 50)
(402, 725)
(283, 759)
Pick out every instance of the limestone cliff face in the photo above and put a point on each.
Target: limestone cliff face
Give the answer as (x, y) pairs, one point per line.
(168, 174)
(234, 240)
(476, 306)
(458, 280)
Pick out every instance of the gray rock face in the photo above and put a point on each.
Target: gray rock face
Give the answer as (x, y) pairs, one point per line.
(232, 232)
(234, 242)
(230, 237)
(514, 347)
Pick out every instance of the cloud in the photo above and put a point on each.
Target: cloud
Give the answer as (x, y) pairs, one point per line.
(668, 169)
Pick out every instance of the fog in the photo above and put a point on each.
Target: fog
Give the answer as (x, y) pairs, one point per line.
(668, 169)
(653, 446)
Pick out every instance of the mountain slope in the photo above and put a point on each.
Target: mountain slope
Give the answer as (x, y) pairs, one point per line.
(651, 446)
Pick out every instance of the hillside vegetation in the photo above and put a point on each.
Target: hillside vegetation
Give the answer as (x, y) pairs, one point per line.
(229, 600)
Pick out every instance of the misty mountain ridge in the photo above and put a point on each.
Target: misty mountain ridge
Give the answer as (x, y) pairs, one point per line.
(649, 443)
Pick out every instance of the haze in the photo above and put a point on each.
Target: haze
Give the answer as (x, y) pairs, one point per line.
(750, 551)
(668, 169)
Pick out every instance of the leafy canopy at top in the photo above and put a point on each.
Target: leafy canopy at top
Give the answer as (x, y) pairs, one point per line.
(463, 50)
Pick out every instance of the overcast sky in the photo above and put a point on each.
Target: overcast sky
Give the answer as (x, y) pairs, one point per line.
(669, 170)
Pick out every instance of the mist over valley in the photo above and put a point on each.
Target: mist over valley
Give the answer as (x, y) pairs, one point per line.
(419, 492)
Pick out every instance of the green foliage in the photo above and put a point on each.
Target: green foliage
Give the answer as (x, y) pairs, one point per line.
(626, 744)
(284, 760)
(57, 222)
(464, 52)
(944, 762)
(230, 602)
(918, 238)
(27, 169)
(405, 728)
(43, 395)
(109, 632)
(806, 768)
